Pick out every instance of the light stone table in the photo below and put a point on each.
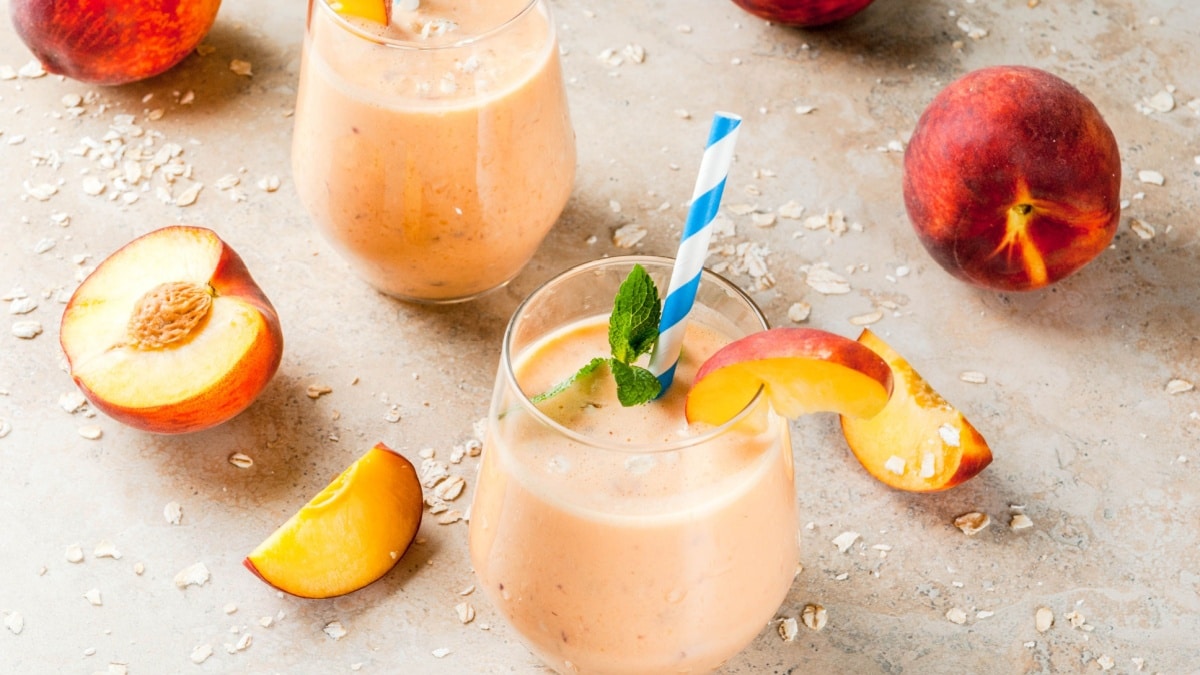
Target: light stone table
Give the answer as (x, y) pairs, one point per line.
(1090, 442)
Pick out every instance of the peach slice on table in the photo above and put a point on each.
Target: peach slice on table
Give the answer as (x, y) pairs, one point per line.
(170, 333)
(347, 536)
(378, 11)
(918, 442)
(801, 370)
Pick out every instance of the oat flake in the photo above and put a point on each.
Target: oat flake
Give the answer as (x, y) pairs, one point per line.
(972, 523)
(334, 630)
(91, 432)
(241, 460)
(1043, 619)
(957, 615)
(814, 616)
(1150, 177)
(93, 596)
(465, 612)
(799, 312)
(106, 549)
(201, 653)
(189, 196)
(628, 236)
(826, 281)
(1179, 386)
(788, 629)
(315, 391)
(173, 513)
(845, 540)
(14, 622)
(1020, 521)
(5, 427)
(973, 377)
(193, 575)
(74, 553)
(241, 67)
(867, 319)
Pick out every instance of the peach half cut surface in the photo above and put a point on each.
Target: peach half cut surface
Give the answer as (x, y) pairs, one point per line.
(170, 333)
(801, 370)
(377, 11)
(918, 442)
(350, 534)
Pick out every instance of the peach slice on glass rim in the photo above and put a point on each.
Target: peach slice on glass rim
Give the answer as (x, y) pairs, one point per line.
(170, 333)
(347, 536)
(377, 11)
(918, 442)
(801, 370)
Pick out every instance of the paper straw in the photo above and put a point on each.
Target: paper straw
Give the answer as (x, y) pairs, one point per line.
(693, 246)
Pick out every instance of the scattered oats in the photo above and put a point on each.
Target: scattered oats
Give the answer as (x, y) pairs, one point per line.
(956, 615)
(1105, 662)
(93, 596)
(241, 460)
(7, 73)
(201, 653)
(635, 53)
(230, 608)
(763, 219)
(189, 196)
(614, 206)
(441, 652)
(973, 377)
(984, 614)
(788, 629)
(1179, 386)
(974, 32)
(465, 612)
(91, 432)
(139, 568)
(1145, 231)
(27, 330)
(805, 109)
(1138, 662)
(474, 447)
(1075, 619)
(433, 472)
(43, 245)
(790, 209)
(393, 414)
(1150, 177)
(826, 281)
(156, 114)
(867, 319)
(106, 549)
(266, 621)
(22, 306)
(93, 186)
(173, 513)
(814, 616)
(74, 553)
(244, 642)
(14, 622)
(845, 540)
(316, 391)
(41, 192)
(799, 312)
(972, 523)
(240, 67)
(228, 181)
(742, 209)
(683, 114)
(334, 630)
(449, 517)
(450, 489)
(1162, 102)
(268, 183)
(5, 427)
(895, 146)
(1020, 521)
(895, 464)
(32, 69)
(195, 574)
(627, 236)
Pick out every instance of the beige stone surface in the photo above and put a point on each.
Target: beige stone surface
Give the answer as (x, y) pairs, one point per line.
(1090, 443)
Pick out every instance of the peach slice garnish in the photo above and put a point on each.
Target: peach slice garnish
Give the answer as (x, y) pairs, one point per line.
(379, 11)
(918, 442)
(802, 370)
(170, 333)
(347, 536)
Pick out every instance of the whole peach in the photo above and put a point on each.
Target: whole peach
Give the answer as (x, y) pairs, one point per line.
(803, 13)
(1012, 178)
(112, 41)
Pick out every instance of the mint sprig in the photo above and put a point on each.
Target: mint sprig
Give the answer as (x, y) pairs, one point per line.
(632, 333)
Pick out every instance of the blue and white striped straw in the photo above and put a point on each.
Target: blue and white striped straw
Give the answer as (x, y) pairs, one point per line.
(693, 246)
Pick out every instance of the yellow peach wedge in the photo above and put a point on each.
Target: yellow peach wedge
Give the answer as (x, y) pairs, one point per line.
(377, 11)
(801, 370)
(350, 534)
(919, 442)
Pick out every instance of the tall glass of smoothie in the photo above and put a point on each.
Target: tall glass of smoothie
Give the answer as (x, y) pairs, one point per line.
(624, 540)
(435, 152)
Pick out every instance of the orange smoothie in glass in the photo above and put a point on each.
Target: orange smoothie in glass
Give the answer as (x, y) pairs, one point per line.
(624, 540)
(434, 153)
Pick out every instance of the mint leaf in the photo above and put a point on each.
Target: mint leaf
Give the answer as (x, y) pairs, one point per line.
(559, 388)
(633, 325)
(635, 385)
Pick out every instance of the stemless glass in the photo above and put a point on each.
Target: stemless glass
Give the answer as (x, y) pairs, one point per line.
(665, 548)
(436, 153)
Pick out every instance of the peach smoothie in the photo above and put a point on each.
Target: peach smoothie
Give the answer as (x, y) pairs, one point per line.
(623, 540)
(434, 153)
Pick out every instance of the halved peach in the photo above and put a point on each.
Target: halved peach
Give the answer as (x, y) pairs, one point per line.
(347, 536)
(170, 333)
(802, 370)
(379, 11)
(919, 442)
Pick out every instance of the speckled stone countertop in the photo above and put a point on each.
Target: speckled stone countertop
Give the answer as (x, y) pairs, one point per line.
(1091, 441)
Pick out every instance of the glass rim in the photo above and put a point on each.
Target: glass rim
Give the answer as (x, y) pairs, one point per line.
(528, 406)
(394, 43)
